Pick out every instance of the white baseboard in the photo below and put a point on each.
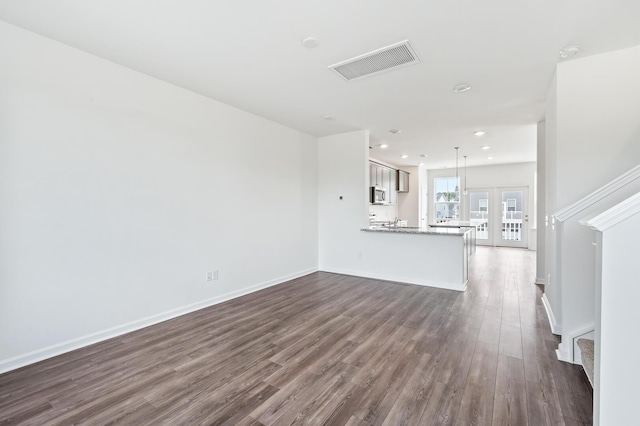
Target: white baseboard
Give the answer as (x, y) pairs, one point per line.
(399, 279)
(541, 281)
(563, 353)
(70, 345)
(569, 351)
(555, 327)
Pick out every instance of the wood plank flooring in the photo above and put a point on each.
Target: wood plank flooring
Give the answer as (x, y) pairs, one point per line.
(325, 349)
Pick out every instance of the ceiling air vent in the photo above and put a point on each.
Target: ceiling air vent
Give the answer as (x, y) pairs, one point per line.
(384, 59)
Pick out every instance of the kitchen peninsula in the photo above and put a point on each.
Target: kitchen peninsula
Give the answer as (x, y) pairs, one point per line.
(437, 257)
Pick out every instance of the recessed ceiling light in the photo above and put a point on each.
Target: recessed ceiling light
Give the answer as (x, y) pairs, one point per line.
(421, 164)
(310, 42)
(486, 147)
(423, 155)
(479, 133)
(328, 117)
(460, 88)
(395, 131)
(384, 146)
(404, 156)
(489, 158)
(569, 51)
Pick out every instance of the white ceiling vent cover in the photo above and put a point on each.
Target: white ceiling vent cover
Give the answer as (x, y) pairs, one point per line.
(384, 59)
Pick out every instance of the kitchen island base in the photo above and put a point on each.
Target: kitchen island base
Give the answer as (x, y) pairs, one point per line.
(434, 258)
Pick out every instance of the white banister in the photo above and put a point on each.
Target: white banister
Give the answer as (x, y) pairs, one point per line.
(614, 215)
(597, 195)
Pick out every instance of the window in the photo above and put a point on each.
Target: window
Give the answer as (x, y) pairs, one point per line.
(483, 205)
(447, 200)
(511, 205)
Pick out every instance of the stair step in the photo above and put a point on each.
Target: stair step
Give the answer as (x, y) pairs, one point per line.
(587, 353)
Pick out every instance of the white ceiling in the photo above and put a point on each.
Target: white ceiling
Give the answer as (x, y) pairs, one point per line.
(248, 53)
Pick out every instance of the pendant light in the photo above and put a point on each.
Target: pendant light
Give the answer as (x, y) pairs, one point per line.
(465, 192)
(457, 187)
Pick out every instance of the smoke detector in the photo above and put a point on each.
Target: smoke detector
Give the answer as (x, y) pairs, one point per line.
(461, 88)
(569, 51)
(310, 42)
(380, 60)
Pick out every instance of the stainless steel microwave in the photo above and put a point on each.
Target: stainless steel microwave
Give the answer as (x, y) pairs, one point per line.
(378, 195)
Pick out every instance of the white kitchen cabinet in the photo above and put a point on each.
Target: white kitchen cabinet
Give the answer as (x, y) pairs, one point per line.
(393, 183)
(403, 181)
(385, 177)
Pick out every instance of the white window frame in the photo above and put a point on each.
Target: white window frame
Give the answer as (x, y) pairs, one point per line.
(456, 210)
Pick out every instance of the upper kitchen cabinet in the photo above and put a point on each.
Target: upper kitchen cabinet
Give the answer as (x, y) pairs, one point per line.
(376, 175)
(393, 184)
(403, 181)
(372, 174)
(386, 178)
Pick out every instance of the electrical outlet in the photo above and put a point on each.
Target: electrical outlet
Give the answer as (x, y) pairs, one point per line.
(215, 274)
(209, 275)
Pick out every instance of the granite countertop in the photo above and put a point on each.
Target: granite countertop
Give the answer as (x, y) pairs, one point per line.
(415, 230)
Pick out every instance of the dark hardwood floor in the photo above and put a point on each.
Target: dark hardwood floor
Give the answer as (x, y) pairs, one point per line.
(325, 349)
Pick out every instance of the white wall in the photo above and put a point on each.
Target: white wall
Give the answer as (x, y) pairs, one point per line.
(541, 277)
(119, 192)
(433, 260)
(551, 291)
(501, 175)
(617, 347)
(409, 202)
(343, 168)
(423, 196)
(598, 127)
(592, 137)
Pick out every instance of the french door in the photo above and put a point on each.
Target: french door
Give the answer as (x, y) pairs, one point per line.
(514, 217)
(500, 215)
(478, 211)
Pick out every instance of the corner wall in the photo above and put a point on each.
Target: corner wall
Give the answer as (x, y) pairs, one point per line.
(592, 137)
(343, 162)
(120, 191)
(541, 277)
(552, 293)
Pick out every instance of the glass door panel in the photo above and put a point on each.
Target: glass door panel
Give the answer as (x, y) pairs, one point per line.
(478, 214)
(513, 217)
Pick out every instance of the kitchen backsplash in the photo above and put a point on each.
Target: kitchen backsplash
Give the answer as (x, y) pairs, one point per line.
(384, 213)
